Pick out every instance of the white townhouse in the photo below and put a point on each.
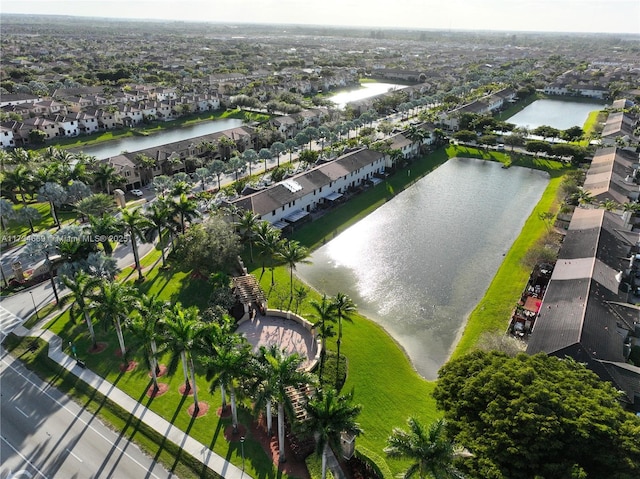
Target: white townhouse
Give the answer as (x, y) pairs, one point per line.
(292, 200)
(6, 137)
(87, 123)
(67, 125)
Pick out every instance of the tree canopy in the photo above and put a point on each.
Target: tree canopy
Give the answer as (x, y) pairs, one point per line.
(536, 417)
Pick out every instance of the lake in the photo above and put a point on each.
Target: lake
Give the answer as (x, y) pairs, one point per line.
(135, 143)
(419, 264)
(366, 90)
(560, 114)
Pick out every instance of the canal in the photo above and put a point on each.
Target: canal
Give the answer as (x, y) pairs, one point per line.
(419, 264)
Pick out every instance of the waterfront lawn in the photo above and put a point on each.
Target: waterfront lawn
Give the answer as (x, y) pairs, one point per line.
(379, 371)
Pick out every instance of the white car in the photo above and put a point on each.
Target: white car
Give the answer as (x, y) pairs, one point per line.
(137, 193)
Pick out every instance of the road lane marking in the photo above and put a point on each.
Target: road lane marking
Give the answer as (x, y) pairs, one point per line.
(22, 456)
(21, 411)
(74, 455)
(76, 416)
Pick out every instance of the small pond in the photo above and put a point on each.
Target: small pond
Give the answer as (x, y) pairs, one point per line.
(419, 264)
(560, 114)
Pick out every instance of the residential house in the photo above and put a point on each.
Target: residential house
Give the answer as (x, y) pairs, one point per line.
(67, 125)
(6, 135)
(619, 127)
(127, 169)
(51, 128)
(612, 176)
(290, 201)
(87, 123)
(18, 99)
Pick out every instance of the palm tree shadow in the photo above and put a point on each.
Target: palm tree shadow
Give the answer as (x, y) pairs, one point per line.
(181, 450)
(212, 444)
(172, 421)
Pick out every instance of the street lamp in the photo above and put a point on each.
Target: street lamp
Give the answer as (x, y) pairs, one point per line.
(35, 309)
(242, 449)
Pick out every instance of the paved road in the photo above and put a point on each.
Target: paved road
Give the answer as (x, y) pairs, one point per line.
(47, 435)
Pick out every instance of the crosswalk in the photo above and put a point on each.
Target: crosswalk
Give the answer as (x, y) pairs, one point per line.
(8, 322)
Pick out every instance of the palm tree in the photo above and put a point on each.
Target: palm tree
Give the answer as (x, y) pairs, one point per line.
(228, 363)
(82, 287)
(20, 179)
(105, 176)
(265, 155)
(291, 145)
(330, 415)
(55, 195)
(262, 389)
(103, 228)
(159, 216)
(182, 329)
(250, 157)
(186, 208)
(236, 165)
(285, 373)
(269, 242)
(145, 327)
(277, 148)
(343, 306)
(325, 313)
(432, 452)
(30, 215)
(292, 253)
(112, 303)
(247, 228)
(217, 168)
(202, 174)
(6, 212)
(135, 223)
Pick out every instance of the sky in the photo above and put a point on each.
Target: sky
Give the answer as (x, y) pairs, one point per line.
(610, 16)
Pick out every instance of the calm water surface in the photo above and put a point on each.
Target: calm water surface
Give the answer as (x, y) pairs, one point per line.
(135, 143)
(366, 90)
(419, 264)
(560, 114)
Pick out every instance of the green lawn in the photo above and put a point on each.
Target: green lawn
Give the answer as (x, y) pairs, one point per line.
(380, 373)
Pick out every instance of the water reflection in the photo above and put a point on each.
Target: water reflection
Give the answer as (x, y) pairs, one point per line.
(365, 90)
(560, 114)
(419, 264)
(135, 143)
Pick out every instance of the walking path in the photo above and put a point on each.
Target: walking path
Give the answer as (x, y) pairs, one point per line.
(195, 448)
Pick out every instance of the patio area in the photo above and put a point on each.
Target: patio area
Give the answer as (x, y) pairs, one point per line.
(292, 334)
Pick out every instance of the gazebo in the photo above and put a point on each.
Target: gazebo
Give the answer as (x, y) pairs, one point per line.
(248, 292)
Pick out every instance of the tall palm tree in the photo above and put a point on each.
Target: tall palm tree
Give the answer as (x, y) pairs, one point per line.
(291, 145)
(202, 174)
(250, 157)
(229, 363)
(30, 215)
(262, 388)
(106, 176)
(159, 216)
(186, 209)
(145, 327)
(103, 228)
(20, 179)
(265, 155)
(217, 168)
(432, 452)
(285, 373)
(6, 212)
(329, 415)
(268, 241)
(135, 223)
(182, 329)
(112, 303)
(325, 313)
(293, 253)
(343, 306)
(277, 148)
(247, 228)
(55, 195)
(83, 287)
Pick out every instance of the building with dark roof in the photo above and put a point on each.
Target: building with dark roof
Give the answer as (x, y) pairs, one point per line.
(586, 313)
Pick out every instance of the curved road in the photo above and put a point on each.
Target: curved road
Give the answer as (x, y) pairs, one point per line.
(45, 434)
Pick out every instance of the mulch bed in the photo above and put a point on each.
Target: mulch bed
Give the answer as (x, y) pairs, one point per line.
(239, 434)
(162, 370)
(183, 390)
(154, 393)
(203, 408)
(226, 412)
(130, 366)
(98, 349)
(293, 466)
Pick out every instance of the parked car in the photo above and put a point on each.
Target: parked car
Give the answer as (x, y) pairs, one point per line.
(137, 193)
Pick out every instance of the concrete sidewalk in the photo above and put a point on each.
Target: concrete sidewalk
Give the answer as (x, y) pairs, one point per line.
(195, 448)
